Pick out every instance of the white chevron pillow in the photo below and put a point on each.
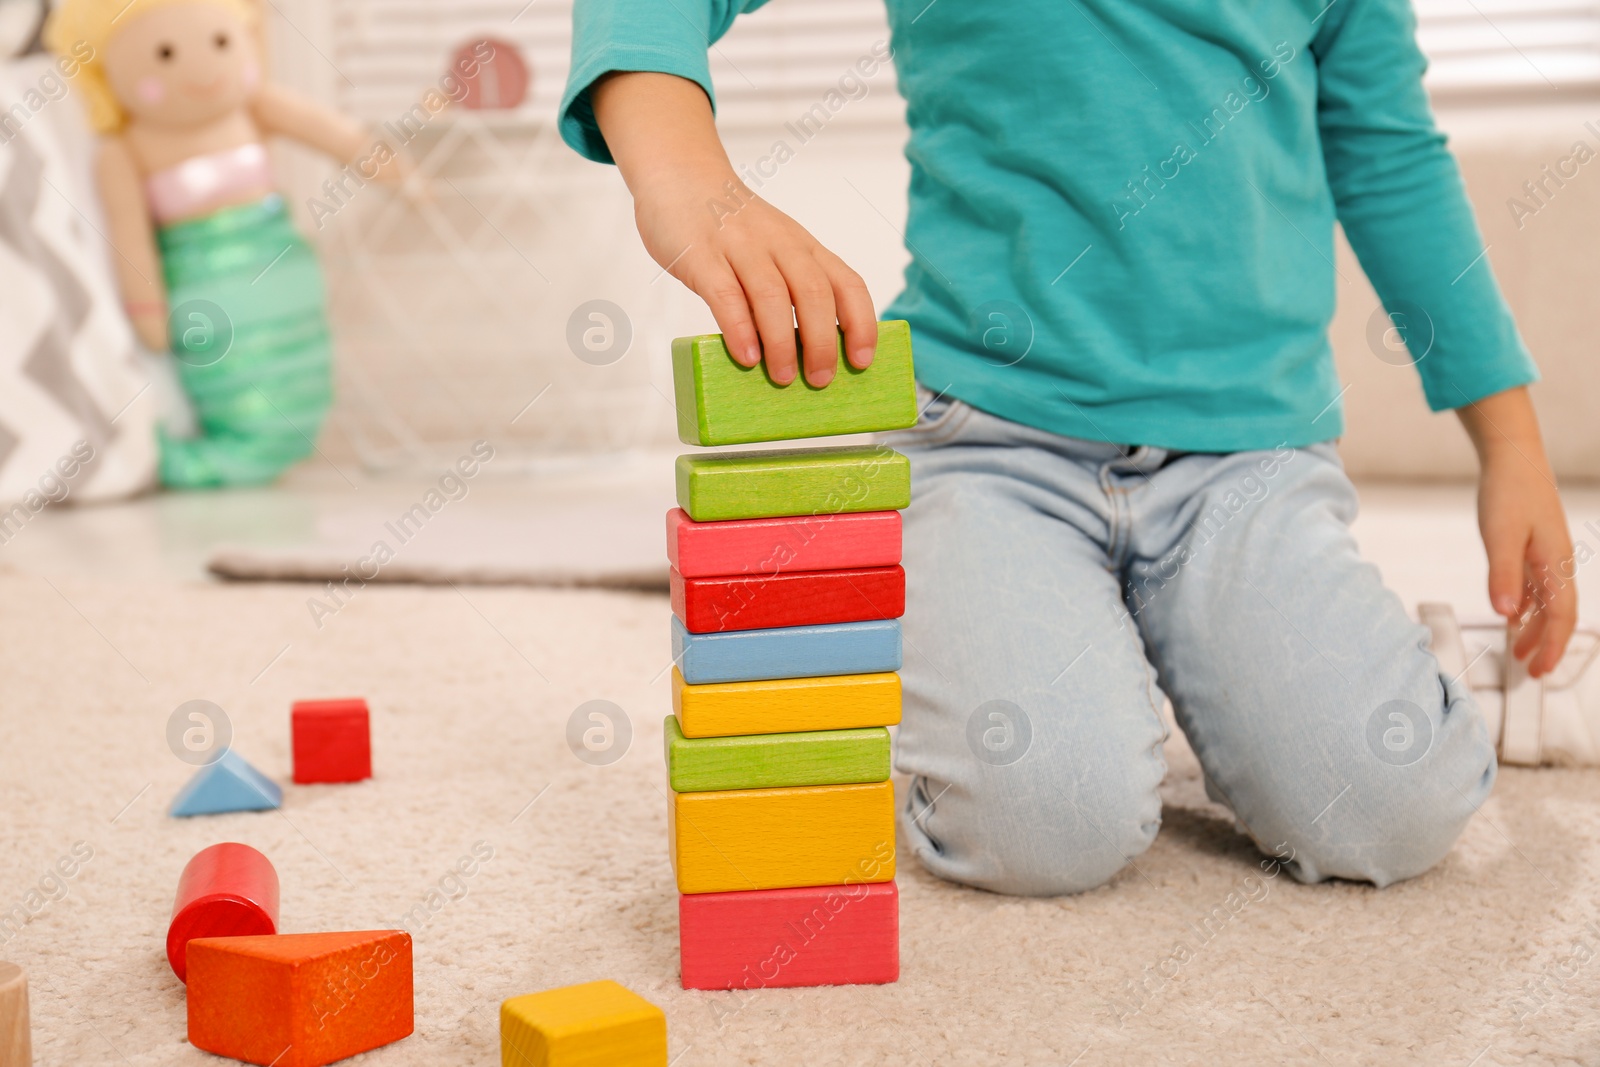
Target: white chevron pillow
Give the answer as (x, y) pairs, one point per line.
(76, 411)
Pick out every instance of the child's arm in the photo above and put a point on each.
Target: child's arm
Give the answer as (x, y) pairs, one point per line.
(757, 269)
(137, 263)
(1524, 526)
(1401, 202)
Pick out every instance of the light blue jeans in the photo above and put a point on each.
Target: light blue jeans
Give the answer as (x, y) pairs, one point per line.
(1059, 588)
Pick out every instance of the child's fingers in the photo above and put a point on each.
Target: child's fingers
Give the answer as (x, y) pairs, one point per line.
(1551, 567)
(774, 315)
(812, 294)
(1529, 635)
(857, 318)
(1561, 618)
(715, 282)
(1506, 550)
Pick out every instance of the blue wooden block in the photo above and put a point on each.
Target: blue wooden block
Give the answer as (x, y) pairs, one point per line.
(786, 652)
(227, 784)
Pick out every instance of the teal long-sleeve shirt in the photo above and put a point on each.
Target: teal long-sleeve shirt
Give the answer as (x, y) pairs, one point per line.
(1121, 212)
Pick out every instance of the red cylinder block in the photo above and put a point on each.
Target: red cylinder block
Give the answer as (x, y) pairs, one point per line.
(226, 890)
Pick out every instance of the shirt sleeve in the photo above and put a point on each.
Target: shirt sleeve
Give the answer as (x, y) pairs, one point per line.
(666, 36)
(1403, 207)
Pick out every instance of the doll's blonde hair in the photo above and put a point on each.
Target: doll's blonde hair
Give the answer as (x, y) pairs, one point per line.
(80, 30)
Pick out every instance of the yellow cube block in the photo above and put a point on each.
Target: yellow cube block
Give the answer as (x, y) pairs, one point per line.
(597, 1024)
(737, 839)
(786, 705)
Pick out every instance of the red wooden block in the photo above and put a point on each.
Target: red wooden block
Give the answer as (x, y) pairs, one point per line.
(300, 1000)
(332, 740)
(809, 598)
(782, 545)
(825, 935)
(225, 890)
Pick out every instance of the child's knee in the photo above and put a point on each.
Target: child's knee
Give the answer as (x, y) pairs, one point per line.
(1389, 843)
(1047, 838)
(1407, 802)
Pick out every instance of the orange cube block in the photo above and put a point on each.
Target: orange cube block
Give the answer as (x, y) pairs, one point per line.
(299, 1000)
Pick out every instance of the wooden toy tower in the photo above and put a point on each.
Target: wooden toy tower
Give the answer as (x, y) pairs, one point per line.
(786, 597)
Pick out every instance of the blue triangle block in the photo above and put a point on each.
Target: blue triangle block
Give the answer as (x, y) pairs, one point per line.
(227, 784)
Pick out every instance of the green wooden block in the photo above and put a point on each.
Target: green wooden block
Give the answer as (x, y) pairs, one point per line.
(721, 403)
(793, 481)
(771, 761)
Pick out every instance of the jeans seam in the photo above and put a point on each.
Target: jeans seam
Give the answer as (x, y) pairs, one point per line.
(1114, 500)
(1149, 680)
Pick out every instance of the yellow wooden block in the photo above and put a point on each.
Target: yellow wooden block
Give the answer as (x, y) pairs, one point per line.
(786, 705)
(597, 1024)
(741, 839)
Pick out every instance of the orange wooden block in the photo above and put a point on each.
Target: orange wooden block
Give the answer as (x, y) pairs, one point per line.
(299, 1000)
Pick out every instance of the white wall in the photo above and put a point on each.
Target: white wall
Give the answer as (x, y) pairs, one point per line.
(1549, 268)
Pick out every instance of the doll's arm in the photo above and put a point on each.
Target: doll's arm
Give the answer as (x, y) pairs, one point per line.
(278, 111)
(137, 262)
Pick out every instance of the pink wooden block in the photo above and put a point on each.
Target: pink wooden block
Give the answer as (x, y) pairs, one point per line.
(773, 546)
(822, 935)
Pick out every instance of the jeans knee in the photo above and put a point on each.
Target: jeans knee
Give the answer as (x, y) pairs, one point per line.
(1084, 859)
(1033, 842)
(1405, 806)
(1383, 844)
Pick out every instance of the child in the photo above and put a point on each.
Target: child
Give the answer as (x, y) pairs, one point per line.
(1125, 480)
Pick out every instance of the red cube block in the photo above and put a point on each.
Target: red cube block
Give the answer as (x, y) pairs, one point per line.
(332, 740)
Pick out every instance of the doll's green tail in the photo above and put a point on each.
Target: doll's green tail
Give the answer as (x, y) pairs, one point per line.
(250, 336)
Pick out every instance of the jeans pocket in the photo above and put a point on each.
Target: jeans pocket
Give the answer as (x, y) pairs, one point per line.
(941, 416)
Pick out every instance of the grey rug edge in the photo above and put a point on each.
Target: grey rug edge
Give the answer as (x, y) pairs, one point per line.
(259, 565)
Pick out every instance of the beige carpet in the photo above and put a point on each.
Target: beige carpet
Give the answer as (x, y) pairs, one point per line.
(1489, 959)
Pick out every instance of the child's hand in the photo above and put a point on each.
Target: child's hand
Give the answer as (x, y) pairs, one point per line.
(1524, 528)
(1530, 560)
(758, 270)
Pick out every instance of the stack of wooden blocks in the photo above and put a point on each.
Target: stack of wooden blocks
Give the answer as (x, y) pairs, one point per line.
(786, 594)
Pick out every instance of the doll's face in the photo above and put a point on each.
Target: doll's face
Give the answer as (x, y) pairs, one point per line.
(182, 64)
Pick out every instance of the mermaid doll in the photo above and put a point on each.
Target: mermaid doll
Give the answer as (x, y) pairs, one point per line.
(208, 261)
